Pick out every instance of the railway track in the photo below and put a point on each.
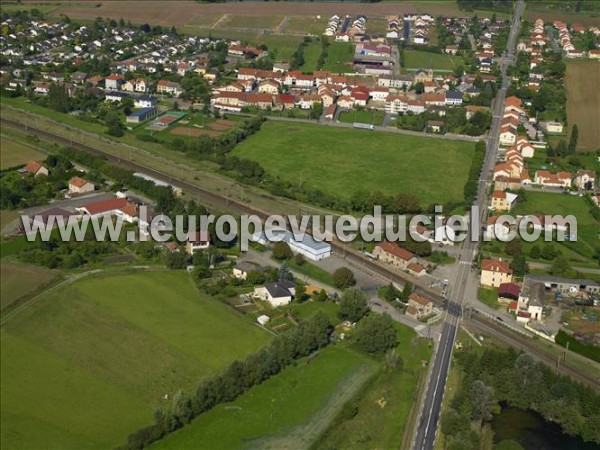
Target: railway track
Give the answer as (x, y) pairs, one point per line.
(521, 342)
(352, 256)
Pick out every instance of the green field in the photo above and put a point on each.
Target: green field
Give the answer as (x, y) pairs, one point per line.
(417, 59)
(588, 228)
(14, 153)
(87, 364)
(373, 117)
(384, 408)
(22, 279)
(311, 56)
(290, 410)
(339, 57)
(333, 159)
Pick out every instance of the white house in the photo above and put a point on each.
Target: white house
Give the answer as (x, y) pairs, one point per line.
(197, 241)
(277, 294)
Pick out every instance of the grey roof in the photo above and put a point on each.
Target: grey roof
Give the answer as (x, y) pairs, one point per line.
(279, 289)
(530, 279)
(454, 95)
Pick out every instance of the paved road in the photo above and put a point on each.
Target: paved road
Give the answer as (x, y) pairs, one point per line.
(463, 283)
(385, 129)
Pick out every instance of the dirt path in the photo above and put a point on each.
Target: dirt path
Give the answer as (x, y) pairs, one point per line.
(303, 436)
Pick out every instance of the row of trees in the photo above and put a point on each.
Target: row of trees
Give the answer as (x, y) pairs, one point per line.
(470, 189)
(507, 377)
(236, 379)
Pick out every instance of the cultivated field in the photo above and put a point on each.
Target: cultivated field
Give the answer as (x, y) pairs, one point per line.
(14, 154)
(290, 410)
(88, 364)
(19, 280)
(583, 103)
(416, 59)
(333, 159)
(180, 13)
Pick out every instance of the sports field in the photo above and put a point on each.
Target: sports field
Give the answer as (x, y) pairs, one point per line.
(290, 410)
(87, 364)
(583, 103)
(333, 159)
(417, 59)
(19, 280)
(14, 153)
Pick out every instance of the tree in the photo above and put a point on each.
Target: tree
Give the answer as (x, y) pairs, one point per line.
(560, 265)
(549, 252)
(299, 259)
(284, 274)
(482, 402)
(519, 265)
(353, 305)
(419, 88)
(406, 291)
(300, 294)
(376, 333)
(343, 278)
(535, 252)
(281, 250)
(573, 140)
(513, 247)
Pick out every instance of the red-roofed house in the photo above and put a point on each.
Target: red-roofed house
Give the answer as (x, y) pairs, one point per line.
(392, 254)
(495, 272)
(418, 306)
(197, 241)
(36, 169)
(80, 186)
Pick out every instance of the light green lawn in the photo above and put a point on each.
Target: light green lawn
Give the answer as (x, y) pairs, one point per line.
(418, 59)
(335, 159)
(88, 364)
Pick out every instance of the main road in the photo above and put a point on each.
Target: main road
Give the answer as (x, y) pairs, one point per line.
(431, 406)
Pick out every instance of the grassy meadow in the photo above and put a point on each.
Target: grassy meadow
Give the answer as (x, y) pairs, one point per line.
(332, 159)
(418, 59)
(87, 364)
(386, 403)
(19, 280)
(14, 153)
(289, 410)
(339, 57)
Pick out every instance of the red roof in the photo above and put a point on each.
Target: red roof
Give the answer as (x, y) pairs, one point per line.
(33, 167)
(494, 265)
(510, 289)
(79, 182)
(111, 204)
(393, 249)
(421, 300)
